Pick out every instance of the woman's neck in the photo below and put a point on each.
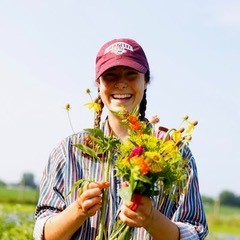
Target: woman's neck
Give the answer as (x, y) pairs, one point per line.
(117, 128)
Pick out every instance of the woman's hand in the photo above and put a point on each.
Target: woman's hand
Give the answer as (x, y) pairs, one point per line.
(140, 215)
(90, 199)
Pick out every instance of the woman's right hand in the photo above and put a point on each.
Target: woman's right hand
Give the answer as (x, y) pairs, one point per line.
(90, 198)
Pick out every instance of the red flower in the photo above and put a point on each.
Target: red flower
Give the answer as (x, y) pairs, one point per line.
(137, 151)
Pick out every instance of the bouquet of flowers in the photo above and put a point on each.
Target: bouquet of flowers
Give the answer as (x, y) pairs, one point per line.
(149, 164)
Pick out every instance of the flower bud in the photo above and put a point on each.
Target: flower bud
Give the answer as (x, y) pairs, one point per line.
(188, 138)
(155, 119)
(181, 130)
(67, 107)
(195, 123)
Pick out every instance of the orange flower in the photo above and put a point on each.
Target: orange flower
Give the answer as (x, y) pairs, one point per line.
(134, 123)
(144, 167)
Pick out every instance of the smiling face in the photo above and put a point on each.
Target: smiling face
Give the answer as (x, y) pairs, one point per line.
(121, 86)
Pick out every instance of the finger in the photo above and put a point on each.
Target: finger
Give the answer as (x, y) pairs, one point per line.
(103, 184)
(100, 184)
(128, 212)
(128, 218)
(92, 204)
(92, 210)
(91, 193)
(131, 218)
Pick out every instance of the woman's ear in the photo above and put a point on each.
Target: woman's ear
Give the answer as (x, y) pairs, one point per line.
(98, 82)
(145, 85)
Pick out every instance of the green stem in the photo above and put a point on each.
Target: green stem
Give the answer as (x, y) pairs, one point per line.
(102, 232)
(70, 122)
(121, 231)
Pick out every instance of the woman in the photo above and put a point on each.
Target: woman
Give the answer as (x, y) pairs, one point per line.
(122, 76)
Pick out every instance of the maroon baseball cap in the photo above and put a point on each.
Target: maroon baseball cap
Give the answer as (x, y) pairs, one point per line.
(121, 52)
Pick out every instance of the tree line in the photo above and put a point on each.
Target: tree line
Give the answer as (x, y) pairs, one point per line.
(226, 197)
(27, 180)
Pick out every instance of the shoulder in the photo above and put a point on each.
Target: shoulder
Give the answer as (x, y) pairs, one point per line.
(75, 138)
(65, 145)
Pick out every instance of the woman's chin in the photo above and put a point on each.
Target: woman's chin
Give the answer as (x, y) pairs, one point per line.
(120, 108)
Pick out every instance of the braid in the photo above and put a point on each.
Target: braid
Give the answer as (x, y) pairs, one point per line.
(143, 103)
(98, 115)
(143, 106)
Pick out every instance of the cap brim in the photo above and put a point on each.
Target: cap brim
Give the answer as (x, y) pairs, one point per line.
(128, 62)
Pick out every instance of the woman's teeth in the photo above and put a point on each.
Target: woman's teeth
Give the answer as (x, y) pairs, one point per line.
(121, 96)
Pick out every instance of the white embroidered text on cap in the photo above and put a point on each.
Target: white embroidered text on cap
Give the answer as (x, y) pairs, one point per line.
(118, 48)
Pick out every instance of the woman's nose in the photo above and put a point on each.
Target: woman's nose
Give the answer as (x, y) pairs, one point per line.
(120, 84)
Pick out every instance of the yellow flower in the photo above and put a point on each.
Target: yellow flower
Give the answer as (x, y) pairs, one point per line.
(177, 136)
(96, 106)
(191, 126)
(155, 156)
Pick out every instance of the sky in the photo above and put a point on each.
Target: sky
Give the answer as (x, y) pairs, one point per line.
(47, 59)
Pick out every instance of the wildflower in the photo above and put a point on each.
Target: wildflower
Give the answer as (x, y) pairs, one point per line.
(67, 107)
(191, 126)
(93, 105)
(135, 125)
(144, 167)
(136, 152)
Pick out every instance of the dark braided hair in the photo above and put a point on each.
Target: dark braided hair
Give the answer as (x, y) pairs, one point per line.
(97, 119)
(143, 103)
(142, 106)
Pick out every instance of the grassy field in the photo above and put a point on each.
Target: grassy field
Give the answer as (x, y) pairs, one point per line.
(16, 221)
(18, 195)
(223, 219)
(17, 208)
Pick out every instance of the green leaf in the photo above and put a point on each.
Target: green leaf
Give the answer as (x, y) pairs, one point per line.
(87, 150)
(126, 193)
(80, 183)
(95, 132)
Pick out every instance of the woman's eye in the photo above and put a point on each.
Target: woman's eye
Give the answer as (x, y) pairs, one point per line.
(132, 74)
(109, 76)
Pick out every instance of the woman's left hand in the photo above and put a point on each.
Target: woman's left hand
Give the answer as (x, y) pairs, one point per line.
(138, 213)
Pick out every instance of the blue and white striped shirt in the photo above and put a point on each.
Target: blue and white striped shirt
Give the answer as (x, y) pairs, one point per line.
(67, 164)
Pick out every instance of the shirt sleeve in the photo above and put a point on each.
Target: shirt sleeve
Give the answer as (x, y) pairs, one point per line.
(39, 227)
(187, 231)
(51, 200)
(190, 215)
